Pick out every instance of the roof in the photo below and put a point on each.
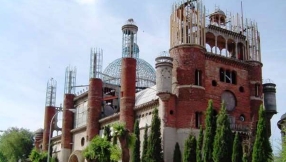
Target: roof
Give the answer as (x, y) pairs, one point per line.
(218, 12)
(146, 95)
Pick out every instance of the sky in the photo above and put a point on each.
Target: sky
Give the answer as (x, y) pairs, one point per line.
(39, 39)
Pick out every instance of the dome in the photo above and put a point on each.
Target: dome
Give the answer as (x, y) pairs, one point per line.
(218, 12)
(145, 73)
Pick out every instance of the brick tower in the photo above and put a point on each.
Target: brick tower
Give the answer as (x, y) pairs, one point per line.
(68, 116)
(94, 95)
(50, 111)
(128, 73)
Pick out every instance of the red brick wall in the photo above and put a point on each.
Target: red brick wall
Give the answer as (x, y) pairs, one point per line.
(188, 58)
(243, 106)
(68, 120)
(94, 107)
(192, 99)
(127, 98)
(49, 113)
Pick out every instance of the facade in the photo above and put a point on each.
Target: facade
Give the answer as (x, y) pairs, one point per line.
(211, 56)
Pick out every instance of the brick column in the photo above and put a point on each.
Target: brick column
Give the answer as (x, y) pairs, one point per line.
(127, 97)
(49, 113)
(67, 125)
(94, 107)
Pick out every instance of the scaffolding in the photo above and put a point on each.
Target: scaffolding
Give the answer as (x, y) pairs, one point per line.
(95, 63)
(51, 92)
(70, 80)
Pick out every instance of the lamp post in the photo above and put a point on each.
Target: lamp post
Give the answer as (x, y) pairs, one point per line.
(49, 145)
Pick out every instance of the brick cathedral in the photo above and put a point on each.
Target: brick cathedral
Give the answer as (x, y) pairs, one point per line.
(212, 56)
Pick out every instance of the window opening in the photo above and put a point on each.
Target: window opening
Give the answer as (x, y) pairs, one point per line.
(198, 80)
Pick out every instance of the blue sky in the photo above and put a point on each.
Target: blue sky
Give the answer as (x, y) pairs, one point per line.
(39, 39)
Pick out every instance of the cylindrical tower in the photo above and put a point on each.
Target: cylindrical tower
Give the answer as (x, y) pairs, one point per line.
(128, 74)
(164, 68)
(269, 94)
(68, 116)
(94, 95)
(50, 111)
(187, 49)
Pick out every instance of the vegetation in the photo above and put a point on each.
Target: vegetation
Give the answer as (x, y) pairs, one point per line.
(262, 151)
(145, 145)
(101, 150)
(222, 150)
(200, 145)
(154, 151)
(177, 154)
(190, 149)
(15, 144)
(125, 138)
(107, 133)
(237, 152)
(136, 148)
(209, 133)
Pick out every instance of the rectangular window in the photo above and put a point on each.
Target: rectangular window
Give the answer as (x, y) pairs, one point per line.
(228, 76)
(256, 90)
(198, 119)
(198, 78)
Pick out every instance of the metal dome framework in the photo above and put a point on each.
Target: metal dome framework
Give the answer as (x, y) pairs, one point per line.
(145, 73)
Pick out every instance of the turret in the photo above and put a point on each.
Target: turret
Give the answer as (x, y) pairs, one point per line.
(68, 117)
(94, 94)
(50, 111)
(164, 66)
(269, 94)
(128, 73)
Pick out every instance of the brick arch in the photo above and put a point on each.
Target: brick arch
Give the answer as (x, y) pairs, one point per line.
(76, 156)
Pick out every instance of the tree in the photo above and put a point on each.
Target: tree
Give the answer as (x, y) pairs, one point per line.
(190, 149)
(222, 150)
(237, 152)
(154, 151)
(209, 133)
(145, 145)
(125, 138)
(177, 154)
(200, 145)
(107, 132)
(16, 143)
(37, 156)
(136, 148)
(101, 150)
(262, 151)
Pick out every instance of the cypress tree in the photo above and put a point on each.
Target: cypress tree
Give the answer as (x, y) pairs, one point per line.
(136, 148)
(222, 150)
(200, 145)
(237, 152)
(177, 154)
(107, 132)
(262, 151)
(145, 144)
(209, 133)
(190, 149)
(154, 151)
